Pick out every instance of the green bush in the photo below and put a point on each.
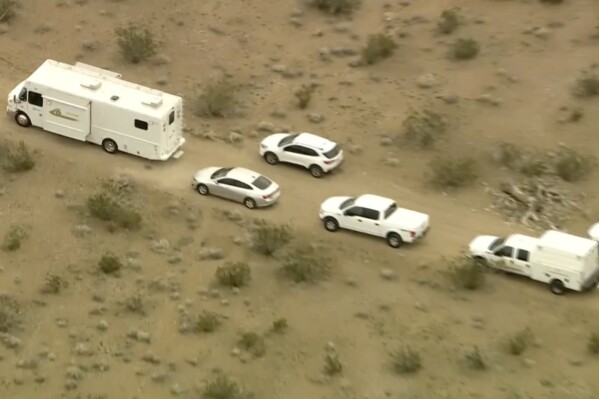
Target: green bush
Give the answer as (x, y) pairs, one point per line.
(453, 172)
(136, 44)
(110, 263)
(378, 47)
(467, 273)
(235, 274)
(223, 387)
(407, 361)
(423, 129)
(304, 263)
(207, 322)
(267, 238)
(464, 49)
(16, 158)
(336, 6)
(216, 100)
(14, 238)
(107, 208)
(449, 21)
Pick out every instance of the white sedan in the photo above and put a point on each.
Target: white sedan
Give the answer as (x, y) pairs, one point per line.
(374, 215)
(315, 153)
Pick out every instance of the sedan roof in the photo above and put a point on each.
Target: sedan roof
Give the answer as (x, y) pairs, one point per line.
(243, 174)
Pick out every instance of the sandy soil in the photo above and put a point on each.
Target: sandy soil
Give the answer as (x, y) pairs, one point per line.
(78, 343)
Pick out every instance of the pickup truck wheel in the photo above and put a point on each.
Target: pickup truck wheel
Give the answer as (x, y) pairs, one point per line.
(202, 189)
(22, 119)
(316, 171)
(109, 146)
(557, 287)
(271, 158)
(394, 240)
(331, 224)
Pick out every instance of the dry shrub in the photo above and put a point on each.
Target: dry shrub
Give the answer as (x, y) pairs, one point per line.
(449, 21)
(407, 361)
(467, 273)
(464, 49)
(336, 6)
(108, 208)
(10, 314)
(236, 274)
(280, 325)
(306, 264)
(216, 99)
(16, 158)
(207, 322)
(268, 239)
(453, 172)
(475, 359)
(136, 44)
(223, 387)
(304, 96)
(7, 10)
(587, 86)
(593, 344)
(110, 263)
(423, 129)
(519, 342)
(252, 343)
(378, 47)
(53, 284)
(332, 364)
(14, 238)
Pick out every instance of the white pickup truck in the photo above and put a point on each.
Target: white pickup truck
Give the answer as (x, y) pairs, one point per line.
(562, 260)
(374, 215)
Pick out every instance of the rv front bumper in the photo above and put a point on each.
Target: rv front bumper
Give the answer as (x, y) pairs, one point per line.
(11, 111)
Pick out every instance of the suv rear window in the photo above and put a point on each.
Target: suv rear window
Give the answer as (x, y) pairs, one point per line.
(261, 183)
(333, 152)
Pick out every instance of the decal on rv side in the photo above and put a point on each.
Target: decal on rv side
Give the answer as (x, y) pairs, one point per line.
(57, 112)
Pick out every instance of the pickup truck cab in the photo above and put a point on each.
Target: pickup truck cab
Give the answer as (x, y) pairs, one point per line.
(374, 215)
(511, 254)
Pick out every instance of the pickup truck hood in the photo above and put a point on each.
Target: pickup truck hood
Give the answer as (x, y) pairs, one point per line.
(332, 204)
(594, 232)
(480, 245)
(272, 141)
(409, 220)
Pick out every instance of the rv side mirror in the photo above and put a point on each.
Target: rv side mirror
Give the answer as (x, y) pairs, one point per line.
(15, 99)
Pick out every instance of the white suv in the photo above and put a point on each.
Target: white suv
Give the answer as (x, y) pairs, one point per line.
(374, 215)
(315, 153)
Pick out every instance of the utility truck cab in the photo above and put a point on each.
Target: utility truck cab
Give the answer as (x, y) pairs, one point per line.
(562, 260)
(91, 104)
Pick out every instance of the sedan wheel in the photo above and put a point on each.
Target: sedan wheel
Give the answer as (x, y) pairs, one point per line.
(249, 203)
(331, 224)
(202, 189)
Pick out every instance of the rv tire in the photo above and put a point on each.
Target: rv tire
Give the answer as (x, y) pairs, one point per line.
(109, 146)
(557, 287)
(22, 119)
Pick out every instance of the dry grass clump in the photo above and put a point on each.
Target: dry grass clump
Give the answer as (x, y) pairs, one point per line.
(475, 360)
(587, 86)
(464, 49)
(10, 314)
(379, 47)
(449, 21)
(53, 284)
(407, 361)
(110, 264)
(304, 96)
(467, 273)
(593, 344)
(520, 342)
(7, 10)
(16, 158)
(252, 343)
(336, 6)
(136, 44)
(332, 364)
(216, 99)
(207, 322)
(234, 274)
(223, 387)
(423, 129)
(14, 238)
(453, 172)
(269, 238)
(279, 326)
(108, 208)
(306, 264)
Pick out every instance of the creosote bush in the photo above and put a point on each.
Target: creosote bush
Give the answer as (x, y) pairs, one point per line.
(593, 344)
(268, 239)
(237, 274)
(519, 342)
(16, 158)
(423, 129)
(306, 264)
(14, 238)
(110, 263)
(378, 47)
(7, 10)
(449, 21)
(467, 273)
(207, 322)
(223, 387)
(216, 99)
(453, 172)
(464, 49)
(406, 361)
(252, 343)
(587, 86)
(336, 6)
(304, 96)
(136, 44)
(107, 208)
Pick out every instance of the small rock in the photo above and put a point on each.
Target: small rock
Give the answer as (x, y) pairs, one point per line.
(351, 281)
(160, 246)
(211, 254)
(143, 336)
(355, 149)
(175, 258)
(325, 54)
(265, 127)
(278, 113)
(162, 59)
(489, 100)
(450, 98)
(388, 274)
(391, 161)
(102, 325)
(296, 21)
(427, 80)
(59, 194)
(234, 138)
(541, 33)
(82, 349)
(278, 68)
(82, 230)
(386, 141)
(235, 352)
(528, 362)
(315, 117)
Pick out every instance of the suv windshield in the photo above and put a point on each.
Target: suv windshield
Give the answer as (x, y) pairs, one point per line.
(347, 203)
(261, 183)
(288, 139)
(333, 152)
(222, 172)
(392, 208)
(496, 243)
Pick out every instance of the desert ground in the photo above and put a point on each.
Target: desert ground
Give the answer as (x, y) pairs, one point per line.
(381, 322)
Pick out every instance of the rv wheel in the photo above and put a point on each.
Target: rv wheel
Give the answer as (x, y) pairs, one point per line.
(557, 287)
(109, 146)
(22, 119)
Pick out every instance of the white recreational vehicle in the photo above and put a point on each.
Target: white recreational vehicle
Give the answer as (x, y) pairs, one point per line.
(87, 103)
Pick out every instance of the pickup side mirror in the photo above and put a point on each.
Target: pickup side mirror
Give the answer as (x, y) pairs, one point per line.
(15, 99)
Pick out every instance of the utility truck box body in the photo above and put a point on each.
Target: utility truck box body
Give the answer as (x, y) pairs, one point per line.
(91, 104)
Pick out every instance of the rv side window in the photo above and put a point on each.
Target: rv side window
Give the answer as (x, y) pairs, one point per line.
(36, 99)
(23, 94)
(171, 118)
(523, 255)
(141, 124)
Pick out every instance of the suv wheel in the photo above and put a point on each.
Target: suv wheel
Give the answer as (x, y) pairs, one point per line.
(316, 171)
(271, 158)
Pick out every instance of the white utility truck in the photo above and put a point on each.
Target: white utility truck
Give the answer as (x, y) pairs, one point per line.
(594, 232)
(87, 103)
(562, 260)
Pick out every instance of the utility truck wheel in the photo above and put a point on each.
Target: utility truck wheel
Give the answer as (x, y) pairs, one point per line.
(22, 119)
(249, 203)
(271, 158)
(109, 146)
(202, 189)
(557, 287)
(331, 224)
(394, 240)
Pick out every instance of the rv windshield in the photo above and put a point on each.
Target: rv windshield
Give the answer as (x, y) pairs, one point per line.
(495, 244)
(222, 172)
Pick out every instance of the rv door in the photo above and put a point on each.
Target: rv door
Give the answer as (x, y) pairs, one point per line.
(67, 119)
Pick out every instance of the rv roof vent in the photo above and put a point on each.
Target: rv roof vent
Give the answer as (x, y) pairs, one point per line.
(114, 98)
(93, 84)
(152, 101)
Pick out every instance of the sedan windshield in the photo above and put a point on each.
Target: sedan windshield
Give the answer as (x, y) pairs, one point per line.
(288, 139)
(496, 243)
(392, 208)
(333, 152)
(347, 203)
(261, 183)
(222, 172)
